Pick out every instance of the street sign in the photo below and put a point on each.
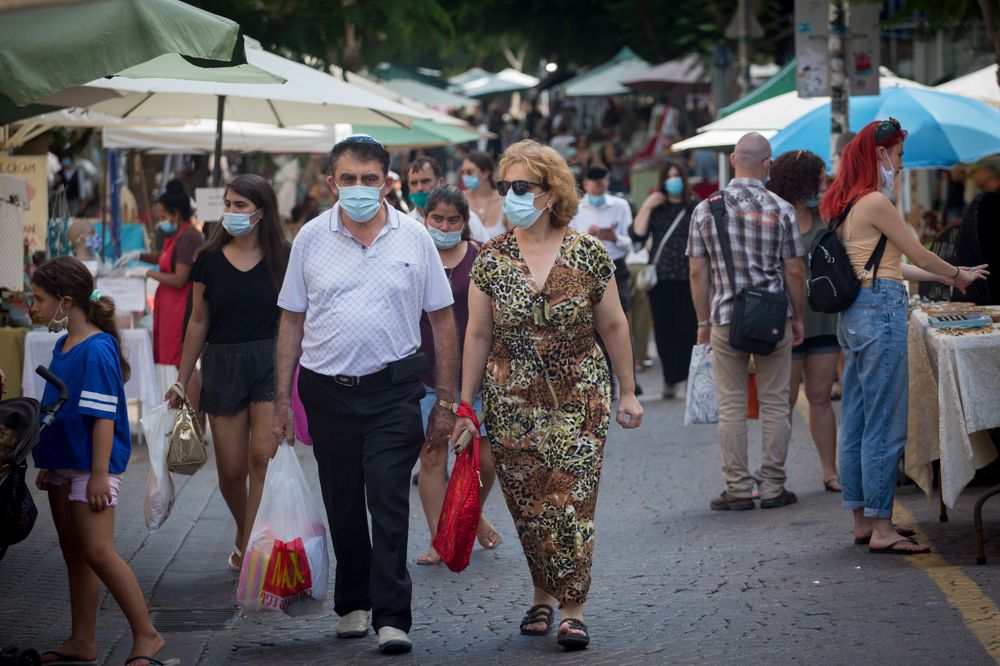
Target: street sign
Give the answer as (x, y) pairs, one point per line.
(812, 56)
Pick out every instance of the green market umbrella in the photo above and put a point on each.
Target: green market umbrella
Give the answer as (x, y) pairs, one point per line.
(423, 134)
(89, 39)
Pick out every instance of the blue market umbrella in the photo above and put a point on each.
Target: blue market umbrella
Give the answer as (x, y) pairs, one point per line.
(944, 129)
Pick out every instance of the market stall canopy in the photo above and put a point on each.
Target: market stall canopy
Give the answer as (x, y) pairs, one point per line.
(429, 95)
(308, 96)
(779, 84)
(87, 39)
(200, 136)
(770, 115)
(715, 139)
(505, 81)
(944, 129)
(606, 79)
(981, 85)
(684, 74)
(29, 128)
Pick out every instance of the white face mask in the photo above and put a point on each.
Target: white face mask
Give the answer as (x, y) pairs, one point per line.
(888, 178)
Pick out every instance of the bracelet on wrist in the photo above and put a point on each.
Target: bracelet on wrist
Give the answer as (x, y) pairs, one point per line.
(450, 406)
(705, 324)
(958, 271)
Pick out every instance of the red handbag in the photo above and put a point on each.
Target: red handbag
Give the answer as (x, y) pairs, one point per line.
(459, 521)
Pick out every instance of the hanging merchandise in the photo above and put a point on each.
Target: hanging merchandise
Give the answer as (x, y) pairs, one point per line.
(58, 242)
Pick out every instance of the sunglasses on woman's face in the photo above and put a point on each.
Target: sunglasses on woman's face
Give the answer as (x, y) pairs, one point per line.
(520, 187)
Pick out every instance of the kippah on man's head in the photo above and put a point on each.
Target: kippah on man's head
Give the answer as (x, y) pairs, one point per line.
(596, 173)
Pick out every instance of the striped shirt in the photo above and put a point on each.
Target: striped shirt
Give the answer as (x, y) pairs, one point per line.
(763, 233)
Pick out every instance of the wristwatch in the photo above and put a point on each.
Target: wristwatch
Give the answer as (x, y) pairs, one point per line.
(450, 406)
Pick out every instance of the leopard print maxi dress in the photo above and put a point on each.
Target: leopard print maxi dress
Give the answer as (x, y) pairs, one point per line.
(546, 391)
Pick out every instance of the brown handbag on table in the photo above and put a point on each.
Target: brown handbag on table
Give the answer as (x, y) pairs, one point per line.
(186, 450)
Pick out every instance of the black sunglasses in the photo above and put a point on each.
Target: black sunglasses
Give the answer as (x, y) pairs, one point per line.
(887, 129)
(520, 187)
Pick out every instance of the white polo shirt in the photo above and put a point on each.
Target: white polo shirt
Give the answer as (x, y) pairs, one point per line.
(614, 214)
(477, 230)
(362, 304)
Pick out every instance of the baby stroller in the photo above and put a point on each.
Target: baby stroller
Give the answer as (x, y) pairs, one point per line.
(21, 425)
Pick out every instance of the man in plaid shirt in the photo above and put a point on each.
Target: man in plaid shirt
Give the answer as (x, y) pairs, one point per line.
(767, 253)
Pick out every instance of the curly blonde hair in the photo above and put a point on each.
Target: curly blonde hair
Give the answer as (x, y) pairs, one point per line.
(550, 169)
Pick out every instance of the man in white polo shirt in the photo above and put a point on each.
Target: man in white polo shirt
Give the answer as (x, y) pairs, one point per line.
(359, 277)
(608, 218)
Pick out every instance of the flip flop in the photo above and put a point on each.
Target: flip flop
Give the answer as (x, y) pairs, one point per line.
(493, 540)
(900, 530)
(63, 659)
(892, 550)
(574, 641)
(426, 559)
(537, 614)
(153, 662)
(828, 485)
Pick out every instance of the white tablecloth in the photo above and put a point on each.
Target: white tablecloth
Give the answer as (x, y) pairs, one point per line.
(954, 399)
(141, 385)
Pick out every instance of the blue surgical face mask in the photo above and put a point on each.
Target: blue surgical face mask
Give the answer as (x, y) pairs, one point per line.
(445, 240)
(168, 227)
(674, 186)
(597, 201)
(419, 199)
(811, 202)
(238, 224)
(520, 210)
(361, 202)
(470, 182)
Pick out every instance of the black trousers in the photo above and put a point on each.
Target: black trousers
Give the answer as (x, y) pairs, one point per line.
(675, 327)
(366, 441)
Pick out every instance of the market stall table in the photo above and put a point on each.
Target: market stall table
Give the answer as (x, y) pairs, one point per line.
(953, 400)
(141, 385)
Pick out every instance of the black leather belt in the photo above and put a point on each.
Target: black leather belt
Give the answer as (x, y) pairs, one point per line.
(380, 378)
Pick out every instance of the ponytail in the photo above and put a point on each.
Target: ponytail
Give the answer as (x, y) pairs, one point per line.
(102, 315)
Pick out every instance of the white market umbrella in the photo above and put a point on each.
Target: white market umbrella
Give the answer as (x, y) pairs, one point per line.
(607, 79)
(308, 96)
(200, 136)
(429, 95)
(505, 81)
(981, 85)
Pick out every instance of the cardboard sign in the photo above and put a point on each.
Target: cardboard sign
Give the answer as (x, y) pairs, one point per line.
(128, 293)
(209, 200)
(31, 168)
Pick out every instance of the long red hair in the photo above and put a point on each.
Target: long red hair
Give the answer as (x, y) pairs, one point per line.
(858, 174)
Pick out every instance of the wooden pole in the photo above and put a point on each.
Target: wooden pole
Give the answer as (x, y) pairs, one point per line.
(837, 44)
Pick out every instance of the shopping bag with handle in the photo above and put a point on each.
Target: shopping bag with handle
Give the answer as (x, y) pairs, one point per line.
(702, 403)
(286, 566)
(157, 426)
(459, 521)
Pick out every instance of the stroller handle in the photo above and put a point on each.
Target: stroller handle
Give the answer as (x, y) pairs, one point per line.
(47, 375)
(49, 414)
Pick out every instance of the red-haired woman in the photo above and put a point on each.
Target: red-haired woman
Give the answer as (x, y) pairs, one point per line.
(872, 330)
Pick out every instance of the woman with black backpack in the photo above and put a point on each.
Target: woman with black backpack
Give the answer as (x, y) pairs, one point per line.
(860, 206)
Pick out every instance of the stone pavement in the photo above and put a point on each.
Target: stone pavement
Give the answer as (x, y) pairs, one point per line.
(673, 581)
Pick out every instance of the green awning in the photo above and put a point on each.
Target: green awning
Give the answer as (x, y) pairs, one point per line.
(779, 84)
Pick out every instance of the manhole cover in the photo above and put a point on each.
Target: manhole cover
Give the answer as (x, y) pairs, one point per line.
(174, 620)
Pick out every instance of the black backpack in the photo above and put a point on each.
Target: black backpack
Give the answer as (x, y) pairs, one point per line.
(833, 284)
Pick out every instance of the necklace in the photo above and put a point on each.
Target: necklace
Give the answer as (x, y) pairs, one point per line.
(482, 209)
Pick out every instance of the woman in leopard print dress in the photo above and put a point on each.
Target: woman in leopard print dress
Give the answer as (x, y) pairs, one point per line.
(539, 294)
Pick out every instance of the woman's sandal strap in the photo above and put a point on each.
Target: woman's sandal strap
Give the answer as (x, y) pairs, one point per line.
(538, 613)
(574, 624)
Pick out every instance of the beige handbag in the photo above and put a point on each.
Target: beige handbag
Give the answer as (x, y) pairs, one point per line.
(186, 450)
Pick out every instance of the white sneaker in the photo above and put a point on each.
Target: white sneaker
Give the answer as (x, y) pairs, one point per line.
(393, 641)
(353, 625)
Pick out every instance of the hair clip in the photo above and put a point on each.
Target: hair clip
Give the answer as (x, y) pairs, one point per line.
(95, 296)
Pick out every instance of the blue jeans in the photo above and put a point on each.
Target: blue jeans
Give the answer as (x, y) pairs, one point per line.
(875, 390)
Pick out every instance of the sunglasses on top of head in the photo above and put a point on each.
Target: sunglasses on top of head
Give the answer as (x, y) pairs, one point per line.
(520, 187)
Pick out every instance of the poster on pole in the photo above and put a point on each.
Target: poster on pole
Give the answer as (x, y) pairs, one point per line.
(812, 50)
(35, 217)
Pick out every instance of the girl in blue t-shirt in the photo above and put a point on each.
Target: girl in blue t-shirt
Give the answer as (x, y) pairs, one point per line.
(82, 455)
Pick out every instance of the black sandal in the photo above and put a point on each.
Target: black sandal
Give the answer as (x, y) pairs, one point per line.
(574, 641)
(537, 614)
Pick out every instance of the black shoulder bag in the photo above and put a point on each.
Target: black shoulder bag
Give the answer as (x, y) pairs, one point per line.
(759, 316)
(833, 285)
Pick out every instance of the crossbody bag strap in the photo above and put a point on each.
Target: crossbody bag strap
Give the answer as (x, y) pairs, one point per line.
(670, 231)
(717, 204)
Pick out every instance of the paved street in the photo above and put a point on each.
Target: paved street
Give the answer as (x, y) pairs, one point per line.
(673, 581)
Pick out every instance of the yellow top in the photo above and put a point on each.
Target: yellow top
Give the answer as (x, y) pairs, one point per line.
(860, 238)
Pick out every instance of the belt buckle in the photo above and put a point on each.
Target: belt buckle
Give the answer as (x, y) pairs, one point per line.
(345, 380)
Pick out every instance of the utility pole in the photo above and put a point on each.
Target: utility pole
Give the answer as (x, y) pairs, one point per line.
(837, 44)
(743, 21)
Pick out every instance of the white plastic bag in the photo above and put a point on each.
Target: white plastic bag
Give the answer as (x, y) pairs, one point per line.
(156, 426)
(286, 566)
(702, 402)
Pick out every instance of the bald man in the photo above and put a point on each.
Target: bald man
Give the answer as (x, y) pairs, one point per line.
(767, 254)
